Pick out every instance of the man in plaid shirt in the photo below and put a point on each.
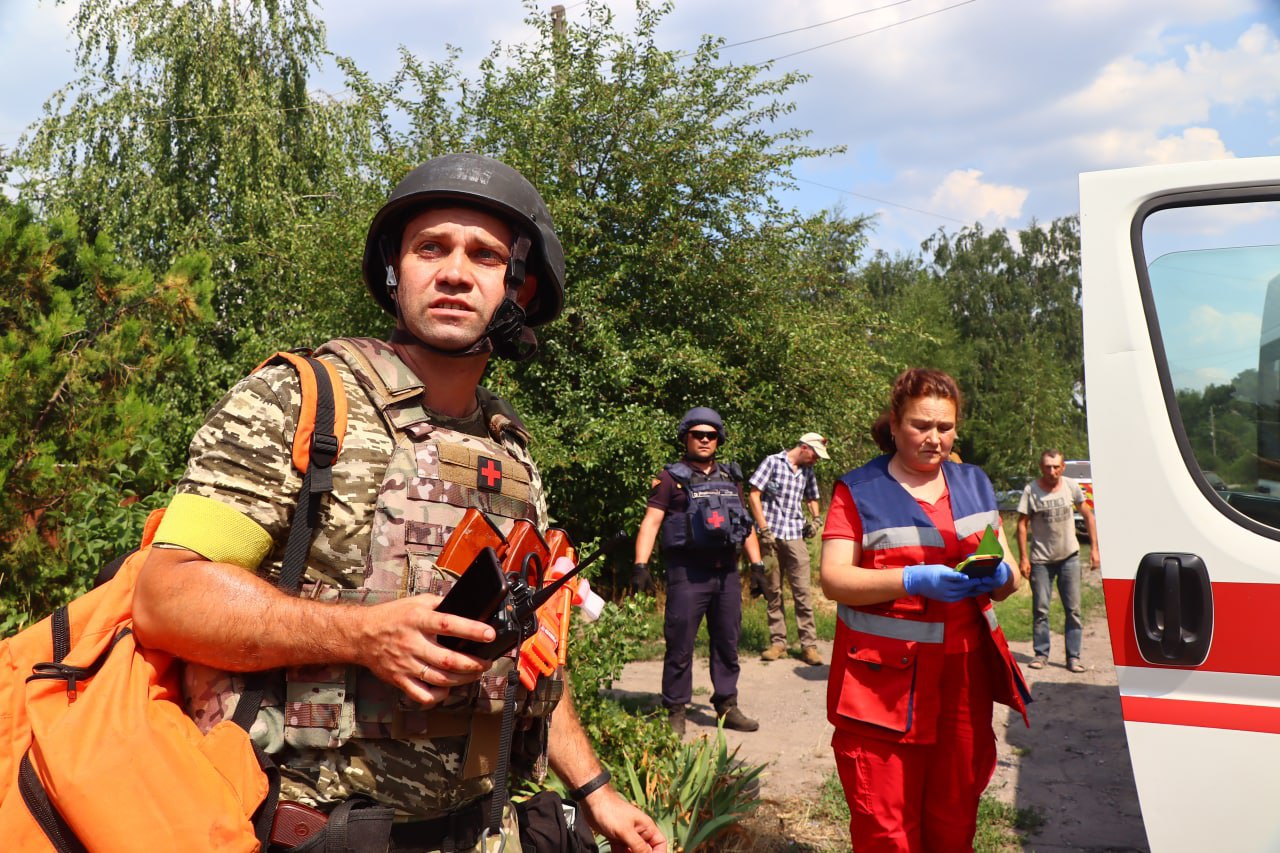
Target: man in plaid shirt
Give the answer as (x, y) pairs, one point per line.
(779, 487)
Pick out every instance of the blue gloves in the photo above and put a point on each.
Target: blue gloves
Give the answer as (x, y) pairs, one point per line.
(941, 583)
(998, 578)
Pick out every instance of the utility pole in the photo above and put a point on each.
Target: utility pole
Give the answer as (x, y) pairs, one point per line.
(557, 40)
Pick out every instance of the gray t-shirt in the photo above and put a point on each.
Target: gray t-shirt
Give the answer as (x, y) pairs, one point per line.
(1052, 536)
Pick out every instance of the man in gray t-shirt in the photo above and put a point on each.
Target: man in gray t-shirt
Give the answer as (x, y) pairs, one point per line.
(1047, 508)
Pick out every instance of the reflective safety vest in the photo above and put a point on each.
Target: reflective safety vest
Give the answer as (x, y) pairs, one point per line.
(714, 517)
(887, 664)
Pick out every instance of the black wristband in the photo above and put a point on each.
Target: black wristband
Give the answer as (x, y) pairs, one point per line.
(581, 792)
(759, 564)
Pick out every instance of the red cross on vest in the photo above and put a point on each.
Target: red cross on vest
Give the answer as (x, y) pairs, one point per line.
(489, 474)
(715, 519)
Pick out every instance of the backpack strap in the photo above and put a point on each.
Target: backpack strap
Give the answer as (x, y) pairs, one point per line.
(317, 441)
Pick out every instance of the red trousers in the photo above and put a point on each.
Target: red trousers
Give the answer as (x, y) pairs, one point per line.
(924, 797)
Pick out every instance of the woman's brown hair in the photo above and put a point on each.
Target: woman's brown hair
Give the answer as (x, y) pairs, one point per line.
(911, 384)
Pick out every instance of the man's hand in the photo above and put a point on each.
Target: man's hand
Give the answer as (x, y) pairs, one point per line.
(398, 644)
(627, 828)
(756, 580)
(809, 530)
(1095, 559)
(1024, 566)
(768, 542)
(641, 580)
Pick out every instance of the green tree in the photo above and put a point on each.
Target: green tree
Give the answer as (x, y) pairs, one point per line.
(84, 342)
(689, 284)
(190, 127)
(1014, 303)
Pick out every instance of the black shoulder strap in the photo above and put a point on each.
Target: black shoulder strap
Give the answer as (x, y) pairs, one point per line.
(316, 481)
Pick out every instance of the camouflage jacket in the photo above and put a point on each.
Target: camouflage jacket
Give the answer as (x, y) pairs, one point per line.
(401, 483)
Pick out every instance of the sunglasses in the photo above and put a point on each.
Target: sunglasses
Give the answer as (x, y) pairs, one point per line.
(700, 435)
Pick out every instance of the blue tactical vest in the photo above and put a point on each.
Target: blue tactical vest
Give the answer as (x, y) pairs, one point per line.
(715, 518)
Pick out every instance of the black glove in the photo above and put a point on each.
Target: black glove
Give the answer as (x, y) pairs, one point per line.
(641, 580)
(809, 530)
(756, 582)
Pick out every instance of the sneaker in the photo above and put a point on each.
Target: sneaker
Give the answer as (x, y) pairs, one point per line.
(675, 716)
(1074, 665)
(774, 652)
(736, 720)
(1038, 663)
(811, 656)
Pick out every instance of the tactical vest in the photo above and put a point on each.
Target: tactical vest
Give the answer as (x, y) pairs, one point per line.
(431, 477)
(887, 663)
(714, 517)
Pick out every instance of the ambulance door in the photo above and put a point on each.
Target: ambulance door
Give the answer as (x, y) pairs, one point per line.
(1181, 281)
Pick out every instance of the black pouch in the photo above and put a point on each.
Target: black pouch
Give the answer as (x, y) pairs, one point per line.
(544, 826)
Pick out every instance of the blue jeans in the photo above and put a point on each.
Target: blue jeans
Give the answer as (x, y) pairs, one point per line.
(1067, 573)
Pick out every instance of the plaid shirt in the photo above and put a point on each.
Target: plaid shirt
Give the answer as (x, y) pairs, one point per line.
(783, 490)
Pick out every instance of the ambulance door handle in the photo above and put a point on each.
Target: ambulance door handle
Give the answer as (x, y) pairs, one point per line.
(1173, 609)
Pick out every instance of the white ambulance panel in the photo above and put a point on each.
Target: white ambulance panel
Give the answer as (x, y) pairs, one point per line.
(1181, 282)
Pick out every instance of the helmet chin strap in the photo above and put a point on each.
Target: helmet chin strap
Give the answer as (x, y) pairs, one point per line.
(506, 334)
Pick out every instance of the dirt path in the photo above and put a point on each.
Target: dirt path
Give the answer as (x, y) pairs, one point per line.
(1071, 766)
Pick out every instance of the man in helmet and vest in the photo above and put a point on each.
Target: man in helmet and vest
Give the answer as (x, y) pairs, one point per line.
(696, 505)
(371, 707)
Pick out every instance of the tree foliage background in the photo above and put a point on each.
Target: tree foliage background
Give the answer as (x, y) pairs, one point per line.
(192, 127)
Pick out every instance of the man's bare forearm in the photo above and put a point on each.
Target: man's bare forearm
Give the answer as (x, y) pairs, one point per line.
(226, 617)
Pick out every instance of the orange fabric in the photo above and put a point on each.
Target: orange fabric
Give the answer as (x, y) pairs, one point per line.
(122, 763)
(307, 417)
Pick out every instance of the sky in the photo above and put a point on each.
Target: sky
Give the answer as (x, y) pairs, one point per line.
(950, 111)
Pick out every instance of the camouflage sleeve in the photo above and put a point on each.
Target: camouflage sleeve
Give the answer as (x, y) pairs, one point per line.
(241, 455)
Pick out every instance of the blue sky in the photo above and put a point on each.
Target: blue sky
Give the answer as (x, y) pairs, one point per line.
(952, 111)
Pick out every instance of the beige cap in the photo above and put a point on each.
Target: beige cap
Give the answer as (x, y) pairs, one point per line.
(817, 442)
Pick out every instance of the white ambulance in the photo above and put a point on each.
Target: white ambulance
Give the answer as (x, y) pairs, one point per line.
(1181, 277)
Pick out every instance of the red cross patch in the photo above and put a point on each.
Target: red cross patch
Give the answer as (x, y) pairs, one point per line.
(489, 474)
(715, 519)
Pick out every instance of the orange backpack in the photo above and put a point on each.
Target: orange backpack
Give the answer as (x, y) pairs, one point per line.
(96, 751)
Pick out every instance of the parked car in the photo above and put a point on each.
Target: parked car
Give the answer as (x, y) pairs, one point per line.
(1082, 472)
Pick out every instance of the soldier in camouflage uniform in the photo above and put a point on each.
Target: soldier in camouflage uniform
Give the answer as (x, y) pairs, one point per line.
(463, 255)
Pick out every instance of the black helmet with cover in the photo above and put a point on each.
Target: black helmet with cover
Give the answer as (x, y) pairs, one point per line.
(701, 416)
(473, 180)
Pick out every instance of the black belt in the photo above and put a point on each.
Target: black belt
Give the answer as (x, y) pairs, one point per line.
(463, 827)
(296, 825)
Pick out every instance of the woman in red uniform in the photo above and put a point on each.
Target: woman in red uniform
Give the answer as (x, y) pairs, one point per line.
(919, 658)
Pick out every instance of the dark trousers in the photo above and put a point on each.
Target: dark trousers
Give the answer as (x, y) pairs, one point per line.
(693, 592)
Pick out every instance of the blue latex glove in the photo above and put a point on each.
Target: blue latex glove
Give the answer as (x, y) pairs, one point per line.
(941, 583)
(998, 578)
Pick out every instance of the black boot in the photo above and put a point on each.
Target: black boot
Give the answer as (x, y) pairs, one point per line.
(734, 718)
(675, 716)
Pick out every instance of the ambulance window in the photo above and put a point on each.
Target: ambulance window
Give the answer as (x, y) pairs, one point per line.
(1214, 276)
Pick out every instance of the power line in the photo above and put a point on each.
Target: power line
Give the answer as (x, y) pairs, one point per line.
(815, 26)
(883, 201)
(876, 30)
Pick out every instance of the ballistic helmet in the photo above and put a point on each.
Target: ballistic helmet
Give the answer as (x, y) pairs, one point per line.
(472, 180)
(701, 416)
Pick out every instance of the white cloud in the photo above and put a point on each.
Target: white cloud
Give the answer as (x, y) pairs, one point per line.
(966, 196)
(1209, 326)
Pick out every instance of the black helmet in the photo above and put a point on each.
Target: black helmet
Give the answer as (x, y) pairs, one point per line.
(701, 416)
(470, 180)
